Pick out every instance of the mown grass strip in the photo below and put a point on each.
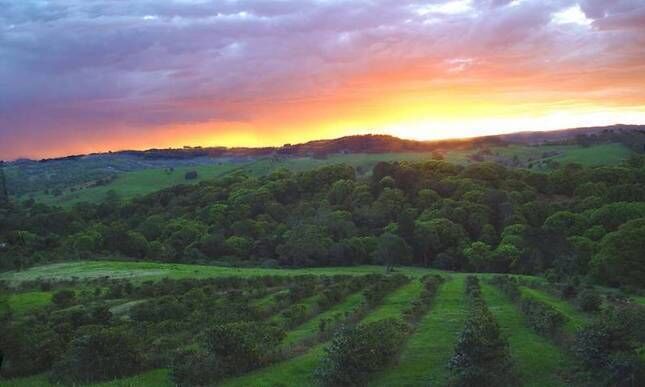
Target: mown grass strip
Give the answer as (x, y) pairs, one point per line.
(153, 378)
(395, 302)
(538, 361)
(299, 371)
(575, 318)
(145, 270)
(310, 327)
(427, 352)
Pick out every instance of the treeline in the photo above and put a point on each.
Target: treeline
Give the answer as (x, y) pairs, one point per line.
(483, 217)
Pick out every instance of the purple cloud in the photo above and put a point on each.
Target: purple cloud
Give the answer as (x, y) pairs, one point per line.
(80, 66)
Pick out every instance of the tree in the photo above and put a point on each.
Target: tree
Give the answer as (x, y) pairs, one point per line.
(479, 256)
(305, 245)
(391, 250)
(4, 195)
(620, 259)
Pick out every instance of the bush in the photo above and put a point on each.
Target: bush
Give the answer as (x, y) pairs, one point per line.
(64, 298)
(229, 349)
(544, 319)
(508, 285)
(193, 368)
(106, 354)
(191, 175)
(589, 300)
(482, 356)
(354, 353)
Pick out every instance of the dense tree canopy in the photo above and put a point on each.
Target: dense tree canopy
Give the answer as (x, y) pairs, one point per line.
(483, 217)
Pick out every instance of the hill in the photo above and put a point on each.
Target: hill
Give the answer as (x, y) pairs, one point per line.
(79, 178)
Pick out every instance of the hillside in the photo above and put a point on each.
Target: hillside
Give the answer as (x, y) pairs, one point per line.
(80, 178)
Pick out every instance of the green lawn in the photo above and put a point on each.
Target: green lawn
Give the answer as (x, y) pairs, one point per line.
(538, 361)
(425, 357)
(575, 318)
(151, 270)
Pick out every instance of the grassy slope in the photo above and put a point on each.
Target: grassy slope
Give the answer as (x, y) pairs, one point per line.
(299, 370)
(575, 318)
(151, 270)
(24, 302)
(137, 183)
(538, 361)
(427, 352)
(601, 154)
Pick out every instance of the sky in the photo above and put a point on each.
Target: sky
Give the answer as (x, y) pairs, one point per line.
(80, 76)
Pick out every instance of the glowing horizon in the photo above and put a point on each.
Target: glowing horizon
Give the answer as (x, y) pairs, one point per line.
(160, 74)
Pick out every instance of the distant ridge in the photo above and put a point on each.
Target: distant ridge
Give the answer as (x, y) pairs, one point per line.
(369, 143)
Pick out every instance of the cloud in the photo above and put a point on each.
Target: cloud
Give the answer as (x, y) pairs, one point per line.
(85, 67)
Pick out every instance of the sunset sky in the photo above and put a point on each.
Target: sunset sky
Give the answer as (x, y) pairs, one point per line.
(80, 76)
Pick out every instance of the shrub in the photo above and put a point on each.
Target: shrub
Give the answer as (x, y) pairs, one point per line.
(544, 319)
(103, 355)
(508, 285)
(589, 300)
(229, 349)
(482, 356)
(356, 352)
(64, 298)
(191, 175)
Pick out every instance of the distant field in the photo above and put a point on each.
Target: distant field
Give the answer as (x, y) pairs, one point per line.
(131, 184)
(603, 154)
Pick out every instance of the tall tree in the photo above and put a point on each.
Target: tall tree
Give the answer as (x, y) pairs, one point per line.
(4, 195)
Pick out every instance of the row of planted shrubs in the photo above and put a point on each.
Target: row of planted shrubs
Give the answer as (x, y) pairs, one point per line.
(482, 354)
(356, 352)
(541, 317)
(233, 349)
(606, 349)
(81, 339)
(419, 306)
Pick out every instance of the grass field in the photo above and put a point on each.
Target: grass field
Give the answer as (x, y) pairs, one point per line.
(538, 361)
(137, 183)
(24, 302)
(136, 270)
(427, 352)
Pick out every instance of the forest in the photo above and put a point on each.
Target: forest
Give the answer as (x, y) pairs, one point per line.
(483, 217)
